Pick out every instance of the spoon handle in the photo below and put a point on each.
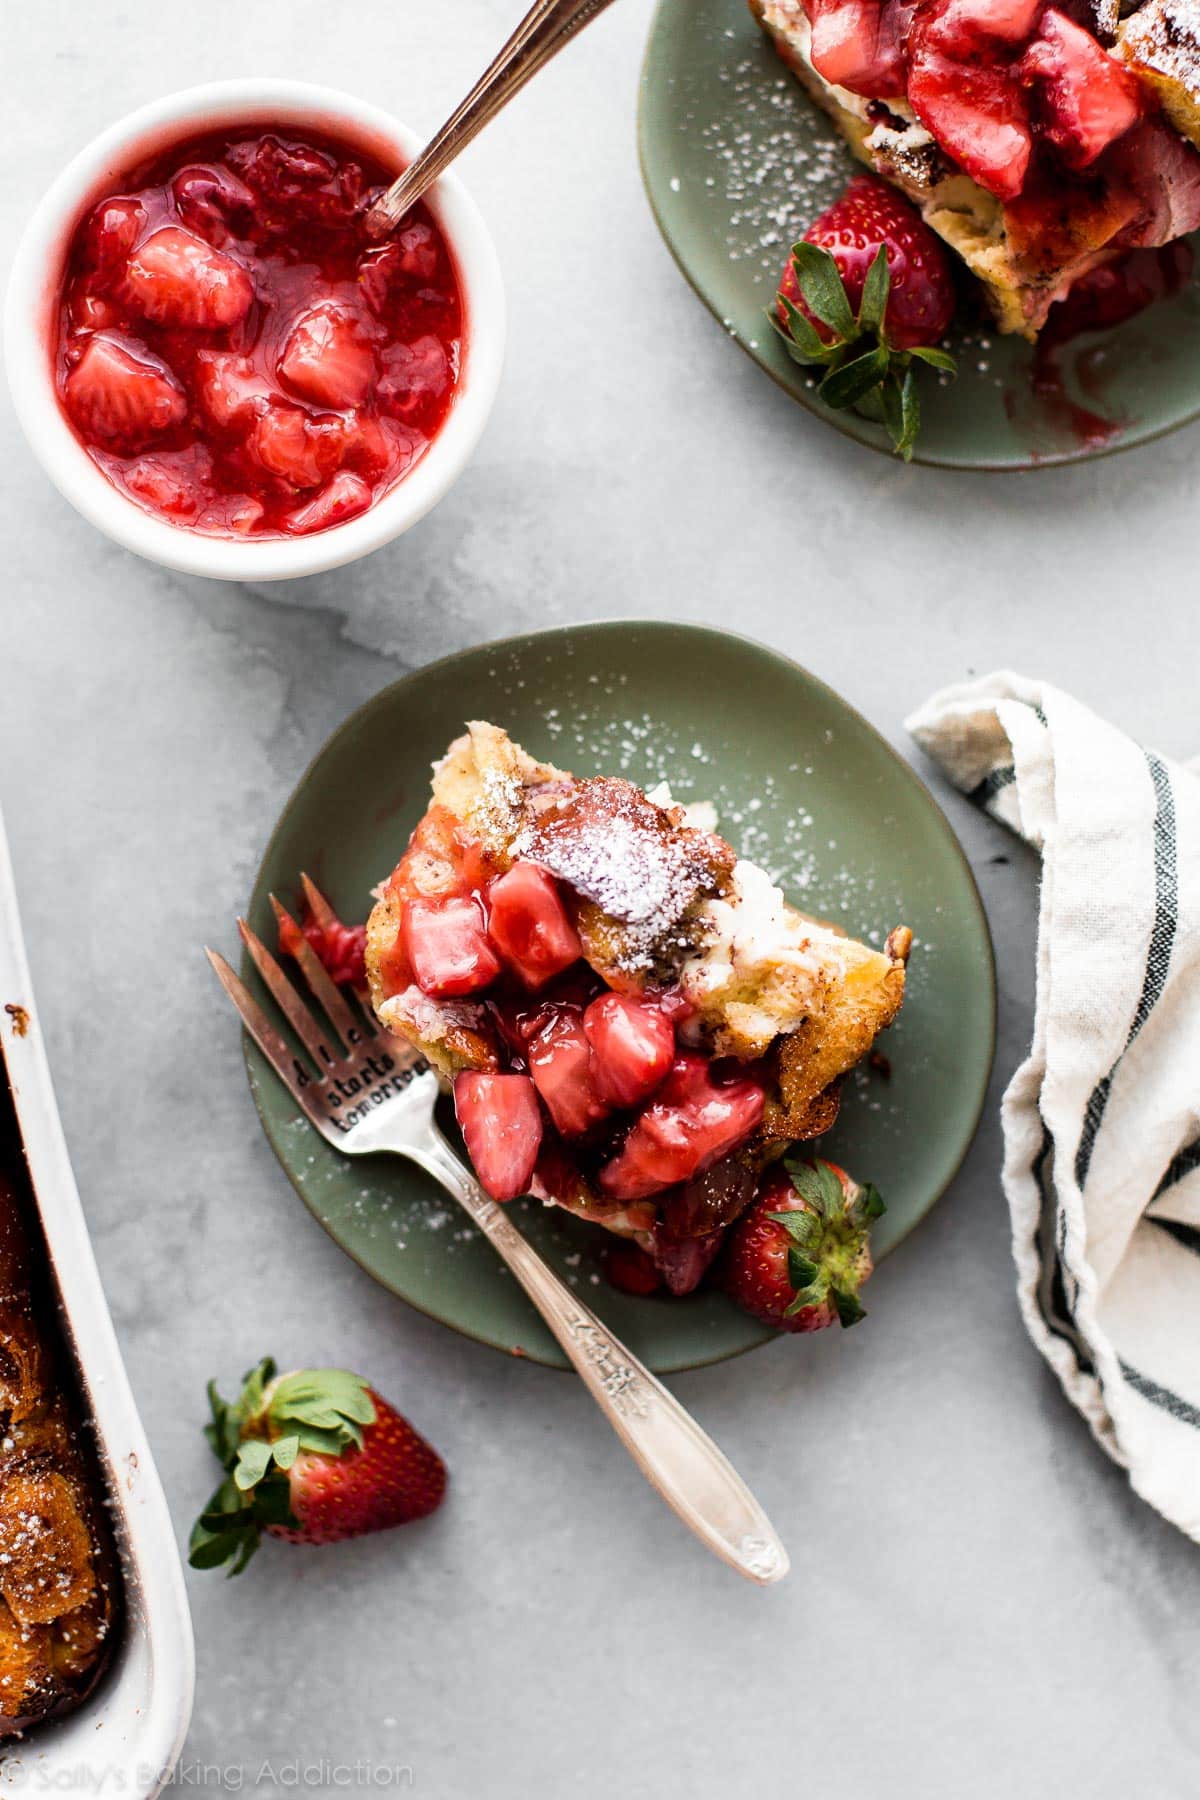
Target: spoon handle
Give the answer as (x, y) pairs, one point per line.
(543, 31)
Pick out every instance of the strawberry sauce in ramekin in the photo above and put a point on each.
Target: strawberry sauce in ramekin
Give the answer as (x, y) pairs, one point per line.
(235, 354)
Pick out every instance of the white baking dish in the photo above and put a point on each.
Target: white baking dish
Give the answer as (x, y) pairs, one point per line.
(127, 1736)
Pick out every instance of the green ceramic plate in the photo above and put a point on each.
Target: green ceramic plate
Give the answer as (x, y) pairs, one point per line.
(738, 161)
(802, 783)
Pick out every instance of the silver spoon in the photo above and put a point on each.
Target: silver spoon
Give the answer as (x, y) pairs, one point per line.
(543, 31)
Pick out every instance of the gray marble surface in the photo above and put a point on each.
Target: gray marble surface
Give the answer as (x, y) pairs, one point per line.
(979, 1604)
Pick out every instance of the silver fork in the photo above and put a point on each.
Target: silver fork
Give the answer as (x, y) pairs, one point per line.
(365, 1092)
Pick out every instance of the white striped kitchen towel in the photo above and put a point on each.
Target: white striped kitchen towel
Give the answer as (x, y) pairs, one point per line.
(1102, 1119)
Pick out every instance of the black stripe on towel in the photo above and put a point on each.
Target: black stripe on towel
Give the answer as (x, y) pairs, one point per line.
(1179, 1168)
(1158, 957)
(1051, 1289)
(1183, 1410)
(1187, 1235)
(992, 784)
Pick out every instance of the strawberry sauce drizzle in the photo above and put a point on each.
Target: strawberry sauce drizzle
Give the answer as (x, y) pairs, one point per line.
(1118, 291)
(1107, 297)
(235, 354)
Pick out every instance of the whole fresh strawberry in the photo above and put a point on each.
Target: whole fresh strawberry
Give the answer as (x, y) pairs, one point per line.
(799, 1255)
(314, 1457)
(867, 290)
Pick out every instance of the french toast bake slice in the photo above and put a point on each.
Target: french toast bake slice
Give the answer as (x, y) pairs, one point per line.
(662, 911)
(1040, 216)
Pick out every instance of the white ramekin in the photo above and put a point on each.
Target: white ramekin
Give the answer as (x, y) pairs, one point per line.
(32, 295)
(126, 1736)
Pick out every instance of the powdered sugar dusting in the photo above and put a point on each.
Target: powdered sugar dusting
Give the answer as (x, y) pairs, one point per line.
(1164, 38)
(633, 860)
(771, 175)
(500, 802)
(625, 876)
(771, 826)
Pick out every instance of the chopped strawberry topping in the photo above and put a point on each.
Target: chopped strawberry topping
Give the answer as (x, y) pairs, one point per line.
(232, 515)
(92, 312)
(416, 378)
(560, 1061)
(302, 450)
(446, 945)
(502, 1129)
(411, 256)
(175, 278)
(111, 232)
(977, 113)
(1086, 99)
(327, 358)
(633, 1045)
(174, 484)
(292, 181)
(712, 1199)
(692, 1122)
(856, 44)
(343, 498)
(631, 1269)
(529, 924)
(122, 395)
(340, 948)
(371, 446)
(964, 28)
(683, 1263)
(441, 858)
(211, 200)
(416, 253)
(231, 390)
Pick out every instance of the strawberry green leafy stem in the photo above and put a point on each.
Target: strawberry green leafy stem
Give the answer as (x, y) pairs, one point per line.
(257, 1438)
(828, 1241)
(862, 370)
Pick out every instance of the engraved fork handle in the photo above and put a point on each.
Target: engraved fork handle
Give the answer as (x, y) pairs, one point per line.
(543, 31)
(665, 1442)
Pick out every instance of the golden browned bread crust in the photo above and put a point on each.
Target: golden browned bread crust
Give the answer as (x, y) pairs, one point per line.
(1161, 43)
(814, 1056)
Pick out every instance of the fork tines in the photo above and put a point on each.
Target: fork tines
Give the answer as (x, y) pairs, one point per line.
(282, 1058)
(353, 1028)
(345, 1022)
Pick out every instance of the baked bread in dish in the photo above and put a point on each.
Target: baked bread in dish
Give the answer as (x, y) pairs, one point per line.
(680, 1023)
(1039, 142)
(59, 1582)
